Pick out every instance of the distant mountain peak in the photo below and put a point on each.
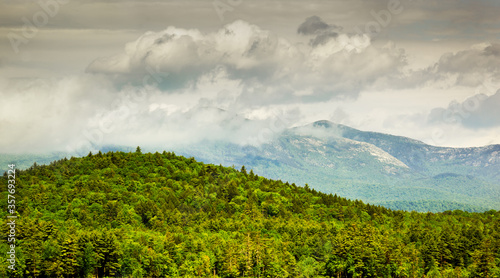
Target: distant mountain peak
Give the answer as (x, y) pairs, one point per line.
(360, 135)
(324, 123)
(330, 124)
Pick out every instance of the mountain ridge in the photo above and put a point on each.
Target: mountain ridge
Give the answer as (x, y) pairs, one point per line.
(375, 167)
(323, 153)
(420, 150)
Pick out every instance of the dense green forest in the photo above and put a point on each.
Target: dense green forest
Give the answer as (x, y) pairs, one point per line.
(161, 215)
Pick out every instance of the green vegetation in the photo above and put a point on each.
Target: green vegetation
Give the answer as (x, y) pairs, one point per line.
(436, 205)
(161, 215)
(397, 172)
(24, 161)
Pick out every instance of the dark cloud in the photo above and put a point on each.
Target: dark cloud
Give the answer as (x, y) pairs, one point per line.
(323, 38)
(313, 25)
(323, 32)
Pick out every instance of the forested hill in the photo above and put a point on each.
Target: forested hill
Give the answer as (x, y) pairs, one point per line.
(161, 215)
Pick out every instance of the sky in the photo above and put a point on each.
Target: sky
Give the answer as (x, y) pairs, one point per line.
(81, 74)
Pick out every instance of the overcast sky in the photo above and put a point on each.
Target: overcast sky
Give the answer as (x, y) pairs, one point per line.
(159, 73)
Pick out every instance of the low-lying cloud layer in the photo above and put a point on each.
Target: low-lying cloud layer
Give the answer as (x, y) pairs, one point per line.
(82, 113)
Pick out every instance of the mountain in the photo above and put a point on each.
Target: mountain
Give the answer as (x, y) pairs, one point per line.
(479, 161)
(140, 214)
(394, 171)
(398, 172)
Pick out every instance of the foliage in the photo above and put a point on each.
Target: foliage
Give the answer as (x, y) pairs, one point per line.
(161, 215)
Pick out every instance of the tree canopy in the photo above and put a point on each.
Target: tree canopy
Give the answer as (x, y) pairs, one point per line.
(160, 215)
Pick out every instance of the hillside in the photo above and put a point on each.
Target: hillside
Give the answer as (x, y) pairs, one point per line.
(394, 171)
(378, 168)
(161, 215)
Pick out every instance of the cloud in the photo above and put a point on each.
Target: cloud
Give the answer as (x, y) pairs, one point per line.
(470, 66)
(313, 25)
(269, 68)
(477, 67)
(182, 56)
(39, 115)
(236, 84)
(185, 86)
(322, 31)
(79, 114)
(476, 112)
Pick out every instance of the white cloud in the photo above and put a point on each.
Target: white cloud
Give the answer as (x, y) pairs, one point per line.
(269, 67)
(81, 113)
(186, 85)
(469, 68)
